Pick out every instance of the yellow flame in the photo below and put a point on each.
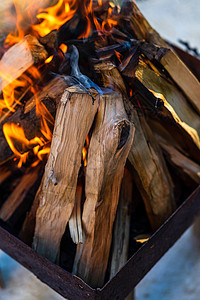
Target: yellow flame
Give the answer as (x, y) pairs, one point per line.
(49, 59)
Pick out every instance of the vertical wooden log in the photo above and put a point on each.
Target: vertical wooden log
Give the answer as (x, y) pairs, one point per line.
(109, 147)
(74, 119)
(151, 174)
(75, 222)
(120, 242)
(122, 225)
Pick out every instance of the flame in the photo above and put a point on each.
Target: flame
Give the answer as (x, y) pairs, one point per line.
(55, 16)
(105, 27)
(84, 152)
(12, 94)
(50, 19)
(49, 59)
(63, 47)
(119, 56)
(15, 135)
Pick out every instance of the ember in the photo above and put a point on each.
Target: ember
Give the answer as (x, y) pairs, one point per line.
(95, 90)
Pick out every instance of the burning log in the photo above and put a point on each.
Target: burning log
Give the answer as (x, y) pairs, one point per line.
(19, 58)
(56, 196)
(109, 147)
(27, 119)
(141, 86)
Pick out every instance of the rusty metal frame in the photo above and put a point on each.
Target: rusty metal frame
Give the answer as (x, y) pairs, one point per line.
(72, 287)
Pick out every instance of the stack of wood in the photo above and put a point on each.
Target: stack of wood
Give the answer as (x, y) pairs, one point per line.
(143, 132)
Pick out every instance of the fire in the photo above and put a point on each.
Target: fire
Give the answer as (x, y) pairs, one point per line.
(55, 16)
(15, 136)
(50, 18)
(63, 47)
(84, 151)
(49, 59)
(11, 93)
(119, 56)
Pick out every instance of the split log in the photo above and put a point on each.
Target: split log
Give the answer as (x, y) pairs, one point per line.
(56, 196)
(5, 172)
(176, 113)
(111, 77)
(120, 242)
(141, 28)
(108, 150)
(18, 195)
(151, 174)
(27, 119)
(75, 222)
(186, 168)
(27, 232)
(183, 77)
(19, 58)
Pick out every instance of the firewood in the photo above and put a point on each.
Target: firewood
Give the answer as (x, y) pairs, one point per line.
(5, 172)
(108, 150)
(186, 167)
(19, 193)
(75, 223)
(139, 26)
(120, 241)
(27, 231)
(183, 77)
(171, 62)
(151, 174)
(19, 58)
(111, 77)
(27, 118)
(74, 119)
(176, 113)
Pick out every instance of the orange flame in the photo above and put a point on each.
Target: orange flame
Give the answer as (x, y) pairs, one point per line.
(55, 16)
(63, 47)
(119, 56)
(15, 135)
(11, 92)
(84, 152)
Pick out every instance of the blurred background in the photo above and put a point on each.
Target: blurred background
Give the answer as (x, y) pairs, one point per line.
(177, 274)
